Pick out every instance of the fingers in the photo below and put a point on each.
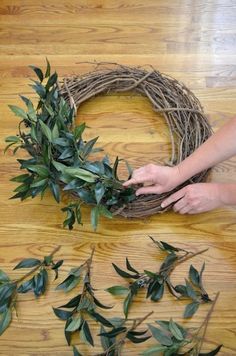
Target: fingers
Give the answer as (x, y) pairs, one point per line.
(139, 178)
(174, 197)
(148, 190)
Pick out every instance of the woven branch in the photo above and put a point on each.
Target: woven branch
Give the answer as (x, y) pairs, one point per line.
(187, 123)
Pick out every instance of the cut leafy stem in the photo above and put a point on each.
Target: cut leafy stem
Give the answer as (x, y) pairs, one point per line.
(154, 282)
(173, 339)
(114, 340)
(9, 289)
(83, 307)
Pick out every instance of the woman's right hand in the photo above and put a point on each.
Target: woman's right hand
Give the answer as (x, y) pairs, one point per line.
(156, 179)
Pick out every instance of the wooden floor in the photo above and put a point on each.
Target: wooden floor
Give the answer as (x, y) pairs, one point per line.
(195, 42)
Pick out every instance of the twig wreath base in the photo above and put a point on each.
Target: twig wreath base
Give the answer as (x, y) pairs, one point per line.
(183, 113)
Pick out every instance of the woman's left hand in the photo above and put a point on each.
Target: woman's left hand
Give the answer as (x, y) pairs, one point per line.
(195, 198)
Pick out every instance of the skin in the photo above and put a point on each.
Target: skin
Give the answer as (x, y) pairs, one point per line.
(194, 198)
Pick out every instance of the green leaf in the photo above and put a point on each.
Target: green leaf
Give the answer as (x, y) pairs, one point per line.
(117, 290)
(100, 305)
(74, 302)
(190, 291)
(181, 289)
(39, 182)
(26, 286)
(69, 283)
(168, 247)
(28, 263)
(52, 80)
(114, 332)
(18, 111)
(3, 277)
(161, 336)
(88, 147)
(194, 276)
(48, 70)
(5, 319)
(127, 303)
(54, 187)
(154, 350)
(99, 318)
(86, 334)
(40, 281)
(14, 139)
(191, 309)
(129, 267)
(157, 292)
(79, 130)
(74, 324)
(94, 217)
(137, 340)
(38, 72)
(176, 332)
(123, 273)
(39, 89)
(62, 314)
(211, 353)
(81, 174)
(55, 132)
(46, 131)
(76, 352)
(21, 178)
(105, 341)
(99, 191)
(41, 170)
(105, 212)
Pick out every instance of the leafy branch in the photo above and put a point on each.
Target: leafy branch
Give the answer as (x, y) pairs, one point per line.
(77, 311)
(154, 282)
(9, 289)
(175, 340)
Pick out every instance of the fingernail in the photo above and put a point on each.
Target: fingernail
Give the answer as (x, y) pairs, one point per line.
(163, 205)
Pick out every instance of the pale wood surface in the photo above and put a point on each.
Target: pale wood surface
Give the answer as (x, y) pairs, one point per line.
(194, 41)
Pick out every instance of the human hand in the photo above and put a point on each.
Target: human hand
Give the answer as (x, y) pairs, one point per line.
(157, 179)
(195, 198)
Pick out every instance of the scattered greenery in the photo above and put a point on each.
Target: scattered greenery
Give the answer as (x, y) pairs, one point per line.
(36, 280)
(77, 311)
(59, 158)
(175, 340)
(155, 282)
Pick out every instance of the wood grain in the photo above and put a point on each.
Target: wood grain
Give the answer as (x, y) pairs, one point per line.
(191, 41)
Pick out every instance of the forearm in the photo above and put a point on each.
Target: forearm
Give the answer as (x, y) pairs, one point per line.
(219, 147)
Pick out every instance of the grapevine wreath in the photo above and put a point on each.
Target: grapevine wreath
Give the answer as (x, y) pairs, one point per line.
(61, 160)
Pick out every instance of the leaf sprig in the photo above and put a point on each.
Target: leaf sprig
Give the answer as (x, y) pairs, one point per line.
(60, 157)
(154, 282)
(175, 340)
(77, 311)
(9, 289)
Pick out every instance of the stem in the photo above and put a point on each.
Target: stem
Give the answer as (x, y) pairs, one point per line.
(141, 320)
(206, 321)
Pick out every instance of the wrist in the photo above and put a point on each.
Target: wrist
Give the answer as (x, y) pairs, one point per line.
(227, 193)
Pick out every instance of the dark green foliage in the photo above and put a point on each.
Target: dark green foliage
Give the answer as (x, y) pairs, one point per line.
(175, 340)
(59, 157)
(77, 311)
(155, 282)
(37, 283)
